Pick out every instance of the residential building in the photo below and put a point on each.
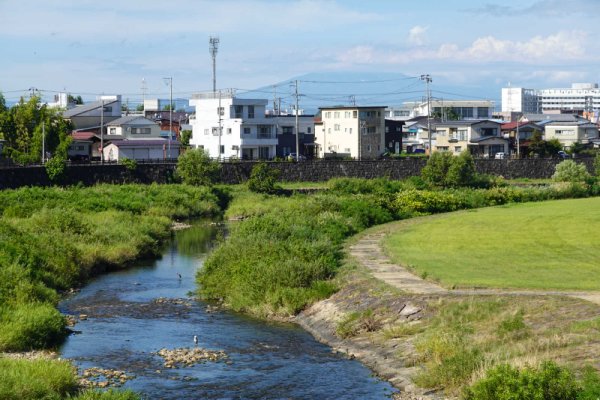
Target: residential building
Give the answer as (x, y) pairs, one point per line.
(415, 135)
(482, 138)
(525, 131)
(285, 128)
(132, 127)
(88, 117)
(568, 133)
(393, 136)
(444, 109)
(351, 131)
(579, 98)
(230, 127)
(141, 149)
(85, 146)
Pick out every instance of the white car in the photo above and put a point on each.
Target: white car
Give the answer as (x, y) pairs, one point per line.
(499, 156)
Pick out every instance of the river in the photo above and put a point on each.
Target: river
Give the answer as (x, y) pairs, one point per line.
(126, 326)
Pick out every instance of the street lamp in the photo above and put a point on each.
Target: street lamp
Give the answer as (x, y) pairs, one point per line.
(169, 81)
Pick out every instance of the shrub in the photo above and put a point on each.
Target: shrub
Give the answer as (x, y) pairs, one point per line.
(570, 171)
(437, 167)
(107, 395)
(55, 168)
(129, 164)
(36, 379)
(461, 171)
(597, 165)
(503, 382)
(30, 326)
(263, 179)
(194, 167)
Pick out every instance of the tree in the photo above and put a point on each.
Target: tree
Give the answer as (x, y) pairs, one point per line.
(186, 135)
(447, 114)
(169, 107)
(263, 179)
(570, 171)
(140, 107)
(437, 168)
(195, 167)
(74, 100)
(462, 170)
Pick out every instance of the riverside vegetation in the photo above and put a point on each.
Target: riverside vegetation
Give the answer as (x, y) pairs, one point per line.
(284, 253)
(53, 239)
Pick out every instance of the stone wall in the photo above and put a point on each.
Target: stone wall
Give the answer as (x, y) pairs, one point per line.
(237, 172)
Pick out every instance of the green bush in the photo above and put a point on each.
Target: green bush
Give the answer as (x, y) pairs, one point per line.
(597, 165)
(570, 171)
(129, 164)
(36, 379)
(436, 170)
(30, 326)
(195, 167)
(263, 179)
(461, 171)
(55, 168)
(503, 382)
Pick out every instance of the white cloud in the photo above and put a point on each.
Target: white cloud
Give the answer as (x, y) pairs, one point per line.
(563, 47)
(416, 35)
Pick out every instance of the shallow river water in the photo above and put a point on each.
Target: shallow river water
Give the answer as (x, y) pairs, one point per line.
(126, 326)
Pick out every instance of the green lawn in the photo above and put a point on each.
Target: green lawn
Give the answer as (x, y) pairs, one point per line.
(549, 245)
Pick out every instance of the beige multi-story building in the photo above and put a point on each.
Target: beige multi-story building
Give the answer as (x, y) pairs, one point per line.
(481, 138)
(353, 131)
(568, 133)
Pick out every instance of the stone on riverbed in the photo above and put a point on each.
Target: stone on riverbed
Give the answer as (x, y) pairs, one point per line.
(187, 357)
(101, 378)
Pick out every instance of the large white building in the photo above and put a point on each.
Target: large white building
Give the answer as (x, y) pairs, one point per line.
(230, 127)
(579, 98)
(464, 109)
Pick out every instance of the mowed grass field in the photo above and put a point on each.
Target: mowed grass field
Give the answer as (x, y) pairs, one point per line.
(548, 245)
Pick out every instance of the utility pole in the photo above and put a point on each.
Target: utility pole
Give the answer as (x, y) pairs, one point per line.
(102, 133)
(213, 42)
(220, 127)
(518, 144)
(352, 100)
(169, 81)
(144, 88)
(297, 126)
(43, 141)
(427, 79)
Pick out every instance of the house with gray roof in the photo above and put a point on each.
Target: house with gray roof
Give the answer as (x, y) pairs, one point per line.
(88, 117)
(132, 127)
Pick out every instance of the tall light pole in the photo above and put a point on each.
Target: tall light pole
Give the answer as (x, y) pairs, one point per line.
(297, 126)
(220, 127)
(427, 79)
(102, 132)
(170, 80)
(213, 42)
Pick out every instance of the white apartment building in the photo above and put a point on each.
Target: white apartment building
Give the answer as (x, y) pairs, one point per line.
(231, 127)
(579, 98)
(353, 131)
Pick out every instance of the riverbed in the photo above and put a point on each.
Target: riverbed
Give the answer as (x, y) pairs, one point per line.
(126, 317)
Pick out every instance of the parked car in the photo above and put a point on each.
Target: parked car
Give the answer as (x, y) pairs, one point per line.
(292, 156)
(562, 154)
(500, 156)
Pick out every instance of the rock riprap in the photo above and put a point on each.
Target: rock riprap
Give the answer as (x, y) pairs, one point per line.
(186, 357)
(102, 378)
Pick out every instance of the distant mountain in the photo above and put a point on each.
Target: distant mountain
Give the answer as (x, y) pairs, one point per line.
(320, 89)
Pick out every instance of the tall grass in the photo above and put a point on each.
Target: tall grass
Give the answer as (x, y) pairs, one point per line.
(52, 239)
(36, 379)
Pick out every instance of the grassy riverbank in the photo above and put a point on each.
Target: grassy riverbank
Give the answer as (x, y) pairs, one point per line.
(282, 256)
(547, 245)
(53, 239)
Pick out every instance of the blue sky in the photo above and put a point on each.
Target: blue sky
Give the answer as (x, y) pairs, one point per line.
(93, 47)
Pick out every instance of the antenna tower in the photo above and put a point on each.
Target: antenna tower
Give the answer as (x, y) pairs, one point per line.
(213, 42)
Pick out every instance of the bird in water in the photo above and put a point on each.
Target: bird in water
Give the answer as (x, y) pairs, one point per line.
(195, 340)
(179, 275)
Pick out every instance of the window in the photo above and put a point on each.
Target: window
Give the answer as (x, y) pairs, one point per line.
(462, 134)
(336, 114)
(328, 114)
(564, 132)
(457, 149)
(221, 111)
(264, 131)
(287, 130)
(488, 131)
(247, 130)
(347, 114)
(347, 150)
(350, 130)
(442, 148)
(229, 131)
(328, 130)
(372, 129)
(336, 127)
(107, 109)
(308, 130)
(354, 114)
(215, 131)
(143, 131)
(369, 148)
(387, 129)
(222, 149)
(206, 131)
(440, 132)
(250, 112)
(239, 111)
(113, 131)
